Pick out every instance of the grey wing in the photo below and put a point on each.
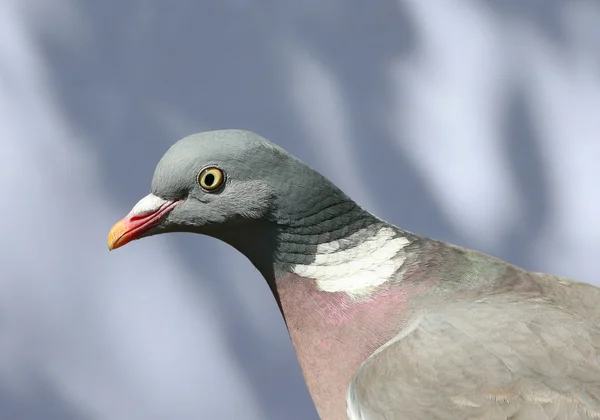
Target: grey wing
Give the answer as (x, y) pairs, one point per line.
(484, 360)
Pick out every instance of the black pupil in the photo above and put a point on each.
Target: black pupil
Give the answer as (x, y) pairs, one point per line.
(209, 180)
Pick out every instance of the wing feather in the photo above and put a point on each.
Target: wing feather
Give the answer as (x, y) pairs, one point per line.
(495, 358)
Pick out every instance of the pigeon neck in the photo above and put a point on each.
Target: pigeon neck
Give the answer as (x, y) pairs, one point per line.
(334, 244)
(342, 248)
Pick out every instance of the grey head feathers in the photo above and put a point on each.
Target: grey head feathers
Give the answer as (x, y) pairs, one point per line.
(262, 180)
(263, 183)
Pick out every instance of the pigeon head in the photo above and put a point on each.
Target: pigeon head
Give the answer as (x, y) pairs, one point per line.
(223, 181)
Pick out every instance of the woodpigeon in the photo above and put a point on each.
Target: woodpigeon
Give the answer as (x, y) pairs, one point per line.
(386, 324)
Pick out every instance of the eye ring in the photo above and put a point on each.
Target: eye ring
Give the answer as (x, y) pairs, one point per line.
(211, 178)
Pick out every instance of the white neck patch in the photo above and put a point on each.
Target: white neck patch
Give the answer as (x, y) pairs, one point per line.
(359, 269)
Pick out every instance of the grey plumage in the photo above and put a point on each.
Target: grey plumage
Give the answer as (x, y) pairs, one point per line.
(398, 325)
(530, 354)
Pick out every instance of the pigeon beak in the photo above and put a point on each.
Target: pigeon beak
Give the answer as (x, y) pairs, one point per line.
(148, 212)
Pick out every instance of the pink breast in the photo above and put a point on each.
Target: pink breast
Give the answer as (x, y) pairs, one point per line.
(334, 333)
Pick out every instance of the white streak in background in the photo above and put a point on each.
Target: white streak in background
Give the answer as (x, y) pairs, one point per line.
(449, 113)
(446, 113)
(564, 87)
(317, 97)
(117, 334)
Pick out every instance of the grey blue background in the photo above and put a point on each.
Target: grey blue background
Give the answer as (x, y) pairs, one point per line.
(474, 122)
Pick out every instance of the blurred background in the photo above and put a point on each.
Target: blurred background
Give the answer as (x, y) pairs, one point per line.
(476, 122)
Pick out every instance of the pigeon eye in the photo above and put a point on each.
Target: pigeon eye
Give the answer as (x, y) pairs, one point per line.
(211, 178)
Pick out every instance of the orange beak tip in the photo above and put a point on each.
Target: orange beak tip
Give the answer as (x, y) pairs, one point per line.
(116, 233)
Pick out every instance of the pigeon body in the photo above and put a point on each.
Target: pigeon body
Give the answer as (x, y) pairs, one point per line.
(386, 324)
